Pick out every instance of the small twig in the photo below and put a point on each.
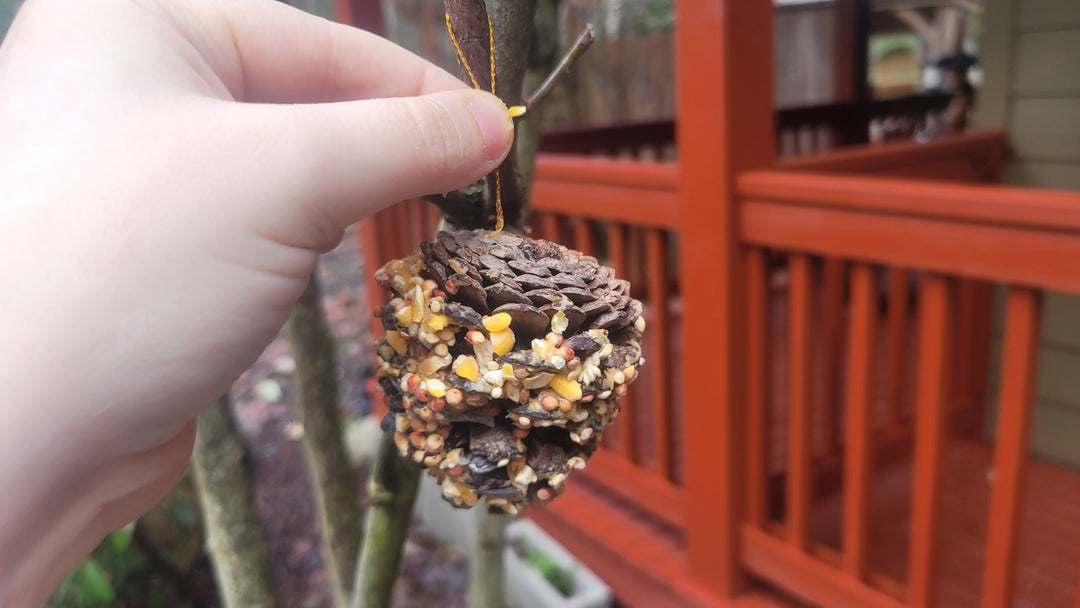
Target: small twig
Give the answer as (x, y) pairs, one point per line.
(565, 65)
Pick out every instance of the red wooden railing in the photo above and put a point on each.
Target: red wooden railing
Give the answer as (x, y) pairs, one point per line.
(953, 240)
(1022, 239)
(791, 308)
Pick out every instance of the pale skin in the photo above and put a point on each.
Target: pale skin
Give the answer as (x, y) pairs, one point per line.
(169, 172)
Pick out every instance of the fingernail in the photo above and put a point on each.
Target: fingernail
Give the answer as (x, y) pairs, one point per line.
(495, 125)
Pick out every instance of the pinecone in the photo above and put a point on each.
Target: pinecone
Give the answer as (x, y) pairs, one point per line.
(504, 359)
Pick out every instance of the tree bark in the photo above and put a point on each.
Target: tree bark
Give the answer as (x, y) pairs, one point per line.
(334, 484)
(234, 535)
(487, 577)
(392, 492)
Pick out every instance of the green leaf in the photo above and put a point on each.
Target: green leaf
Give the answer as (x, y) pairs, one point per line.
(95, 589)
(121, 539)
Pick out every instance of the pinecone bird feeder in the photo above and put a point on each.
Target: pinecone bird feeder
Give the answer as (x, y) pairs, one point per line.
(504, 359)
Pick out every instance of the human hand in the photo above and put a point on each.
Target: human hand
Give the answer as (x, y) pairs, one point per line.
(169, 172)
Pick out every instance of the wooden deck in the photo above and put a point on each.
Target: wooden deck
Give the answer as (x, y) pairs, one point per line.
(1049, 546)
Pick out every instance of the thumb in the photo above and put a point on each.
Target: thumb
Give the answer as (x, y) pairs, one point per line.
(330, 165)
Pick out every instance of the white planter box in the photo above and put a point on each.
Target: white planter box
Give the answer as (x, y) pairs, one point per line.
(527, 588)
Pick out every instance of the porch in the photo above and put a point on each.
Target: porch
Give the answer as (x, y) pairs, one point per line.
(811, 424)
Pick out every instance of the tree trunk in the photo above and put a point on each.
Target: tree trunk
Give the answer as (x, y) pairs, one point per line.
(392, 492)
(234, 535)
(333, 482)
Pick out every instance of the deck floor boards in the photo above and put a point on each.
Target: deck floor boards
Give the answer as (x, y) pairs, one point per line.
(1049, 548)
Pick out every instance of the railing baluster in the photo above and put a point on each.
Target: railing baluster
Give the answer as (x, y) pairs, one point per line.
(399, 230)
(799, 395)
(832, 336)
(1077, 601)
(895, 339)
(414, 210)
(583, 237)
(858, 456)
(431, 219)
(616, 243)
(930, 429)
(656, 275)
(965, 329)
(549, 226)
(757, 387)
(1019, 355)
(371, 247)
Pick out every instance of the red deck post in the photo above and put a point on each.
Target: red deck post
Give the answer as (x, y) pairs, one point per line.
(724, 74)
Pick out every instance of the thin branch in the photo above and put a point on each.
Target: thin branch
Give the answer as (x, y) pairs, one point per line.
(234, 534)
(392, 492)
(565, 66)
(334, 484)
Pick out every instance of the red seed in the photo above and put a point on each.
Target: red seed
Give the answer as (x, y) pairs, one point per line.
(417, 439)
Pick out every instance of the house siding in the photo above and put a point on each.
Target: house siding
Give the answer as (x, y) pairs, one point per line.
(1031, 53)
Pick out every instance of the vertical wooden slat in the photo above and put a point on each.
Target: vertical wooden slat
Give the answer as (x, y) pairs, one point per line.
(394, 224)
(757, 388)
(964, 327)
(895, 343)
(982, 314)
(431, 219)
(583, 236)
(930, 430)
(858, 456)
(832, 336)
(417, 221)
(616, 243)
(369, 244)
(1077, 599)
(1021, 348)
(800, 392)
(656, 265)
(549, 226)
(635, 256)
(725, 127)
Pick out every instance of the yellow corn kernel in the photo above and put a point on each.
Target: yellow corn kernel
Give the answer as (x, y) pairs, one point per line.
(497, 322)
(397, 341)
(507, 371)
(566, 387)
(436, 388)
(404, 316)
(467, 368)
(438, 322)
(502, 341)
